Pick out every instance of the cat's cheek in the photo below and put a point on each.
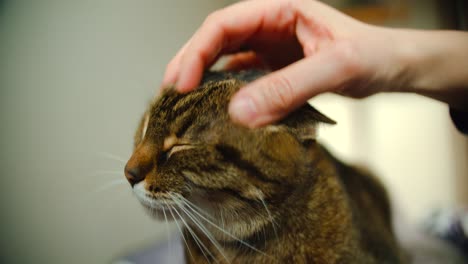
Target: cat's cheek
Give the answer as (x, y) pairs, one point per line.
(253, 193)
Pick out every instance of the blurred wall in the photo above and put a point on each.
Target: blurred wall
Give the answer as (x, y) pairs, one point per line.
(74, 78)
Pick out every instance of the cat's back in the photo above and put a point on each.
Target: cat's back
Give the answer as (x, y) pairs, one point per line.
(371, 210)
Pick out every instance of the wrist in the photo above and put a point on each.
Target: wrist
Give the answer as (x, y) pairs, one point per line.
(435, 64)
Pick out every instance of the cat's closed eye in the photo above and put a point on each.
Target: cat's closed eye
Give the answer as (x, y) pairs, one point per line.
(173, 144)
(178, 147)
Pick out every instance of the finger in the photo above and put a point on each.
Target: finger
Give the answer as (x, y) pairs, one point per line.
(173, 67)
(242, 61)
(228, 29)
(273, 96)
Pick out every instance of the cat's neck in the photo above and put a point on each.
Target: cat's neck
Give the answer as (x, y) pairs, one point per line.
(319, 216)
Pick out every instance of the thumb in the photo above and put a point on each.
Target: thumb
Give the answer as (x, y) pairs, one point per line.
(273, 96)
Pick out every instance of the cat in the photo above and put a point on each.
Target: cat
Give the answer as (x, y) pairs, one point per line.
(266, 195)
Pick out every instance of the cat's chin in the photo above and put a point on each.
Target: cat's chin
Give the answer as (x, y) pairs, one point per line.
(161, 214)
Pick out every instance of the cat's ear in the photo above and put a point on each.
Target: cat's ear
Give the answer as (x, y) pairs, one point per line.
(304, 121)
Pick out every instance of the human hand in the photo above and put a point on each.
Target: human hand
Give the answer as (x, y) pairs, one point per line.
(311, 47)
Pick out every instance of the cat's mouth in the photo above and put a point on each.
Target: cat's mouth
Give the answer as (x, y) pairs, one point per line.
(158, 206)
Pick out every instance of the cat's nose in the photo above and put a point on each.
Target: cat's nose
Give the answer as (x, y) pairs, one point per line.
(134, 175)
(139, 165)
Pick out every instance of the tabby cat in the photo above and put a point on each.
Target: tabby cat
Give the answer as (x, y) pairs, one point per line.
(264, 195)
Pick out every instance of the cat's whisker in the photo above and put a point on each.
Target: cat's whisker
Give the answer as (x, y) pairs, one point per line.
(200, 226)
(93, 194)
(263, 231)
(180, 230)
(112, 157)
(111, 184)
(195, 206)
(222, 223)
(167, 231)
(231, 235)
(107, 173)
(197, 240)
(273, 223)
(265, 234)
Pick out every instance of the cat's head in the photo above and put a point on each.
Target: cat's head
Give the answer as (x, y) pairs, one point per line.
(188, 153)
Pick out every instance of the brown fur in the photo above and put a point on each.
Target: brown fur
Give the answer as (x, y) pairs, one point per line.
(322, 210)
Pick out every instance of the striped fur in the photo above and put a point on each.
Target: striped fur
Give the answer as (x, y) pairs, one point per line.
(266, 195)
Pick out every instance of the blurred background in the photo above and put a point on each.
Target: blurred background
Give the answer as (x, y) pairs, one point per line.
(75, 76)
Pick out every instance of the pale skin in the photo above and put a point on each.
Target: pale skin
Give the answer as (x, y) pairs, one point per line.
(312, 48)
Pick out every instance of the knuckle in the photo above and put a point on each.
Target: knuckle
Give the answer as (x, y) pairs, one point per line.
(279, 93)
(203, 56)
(299, 3)
(213, 18)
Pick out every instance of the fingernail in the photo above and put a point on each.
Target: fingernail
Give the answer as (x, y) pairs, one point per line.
(243, 110)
